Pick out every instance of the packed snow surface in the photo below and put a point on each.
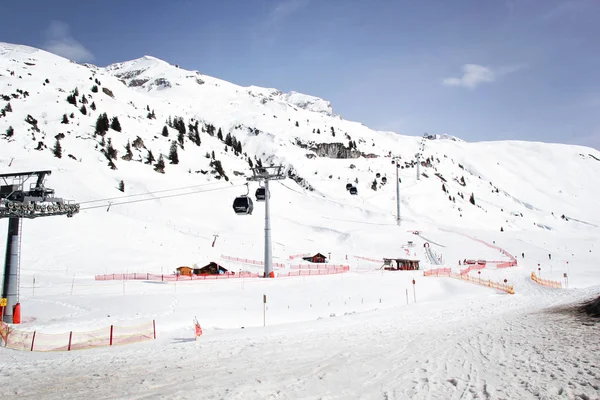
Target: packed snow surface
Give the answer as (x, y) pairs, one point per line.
(367, 333)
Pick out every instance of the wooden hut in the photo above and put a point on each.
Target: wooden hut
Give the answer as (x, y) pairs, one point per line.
(211, 268)
(401, 264)
(187, 271)
(317, 258)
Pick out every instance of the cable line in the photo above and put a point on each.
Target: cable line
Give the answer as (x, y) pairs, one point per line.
(148, 193)
(159, 197)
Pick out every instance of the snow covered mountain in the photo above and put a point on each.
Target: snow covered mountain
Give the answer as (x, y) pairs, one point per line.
(156, 155)
(114, 124)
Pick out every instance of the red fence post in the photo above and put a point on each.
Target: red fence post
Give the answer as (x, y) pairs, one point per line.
(154, 327)
(111, 335)
(32, 340)
(70, 337)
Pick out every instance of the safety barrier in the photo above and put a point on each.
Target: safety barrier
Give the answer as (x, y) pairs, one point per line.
(475, 267)
(170, 278)
(314, 272)
(316, 266)
(545, 282)
(250, 262)
(507, 264)
(110, 336)
(447, 272)
(438, 272)
(293, 256)
(369, 259)
(485, 282)
(513, 260)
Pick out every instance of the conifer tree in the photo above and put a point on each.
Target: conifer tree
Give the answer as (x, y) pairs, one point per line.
(115, 124)
(65, 119)
(93, 106)
(220, 135)
(122, 186)
(128, 153)
(149, 157)
(83, 110)
(111, 152)
(180, 138)
(10, 132)
(173, 156)
(102, 124)
(472, 199)
(165, 131)
(160, 165)
(57, 150)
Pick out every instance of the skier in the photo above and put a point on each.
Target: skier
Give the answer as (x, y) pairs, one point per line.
(549, 256)
(523, 255)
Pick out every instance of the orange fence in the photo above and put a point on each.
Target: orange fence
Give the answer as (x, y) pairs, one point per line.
(317, 266)
(369, 259)
(438, 272)
(314, 272)
(545, 282)
(299, 255)
(485, 282)
(507, 264)
(503, 264)
(447, 272)
(110, 336)
(475, 267)
(169, 278)
(250, 262)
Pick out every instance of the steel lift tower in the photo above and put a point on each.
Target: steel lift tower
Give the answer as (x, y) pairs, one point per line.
(16, 202)
(266, 174)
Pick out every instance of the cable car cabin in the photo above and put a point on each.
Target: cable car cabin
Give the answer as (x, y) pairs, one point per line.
(261, 194)
(353, 190)
(348, 186)
(242, 205)
(384, 179)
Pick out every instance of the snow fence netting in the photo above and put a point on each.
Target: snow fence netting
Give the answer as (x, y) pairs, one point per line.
(545, 282)
(171, 278)
(109, 336)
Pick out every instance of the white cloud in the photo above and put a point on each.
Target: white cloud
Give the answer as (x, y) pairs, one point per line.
(58, 40)
(473, 75)
(283, 10)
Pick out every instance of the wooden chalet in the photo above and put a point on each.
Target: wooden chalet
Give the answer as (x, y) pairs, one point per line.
(210, 269)
(317, 258)
(400, 264)
(187, 271)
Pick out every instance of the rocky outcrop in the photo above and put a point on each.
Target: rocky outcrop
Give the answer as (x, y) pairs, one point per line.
(334, 150)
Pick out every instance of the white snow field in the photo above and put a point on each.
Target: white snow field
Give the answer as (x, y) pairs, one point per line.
(354, 335)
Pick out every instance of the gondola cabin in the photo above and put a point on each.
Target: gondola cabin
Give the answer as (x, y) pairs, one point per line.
(243, 205)
(384, 179)
(261, 194)
(348, 186)
(353, 191)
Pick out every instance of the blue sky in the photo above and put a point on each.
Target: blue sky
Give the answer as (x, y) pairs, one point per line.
(477, 69)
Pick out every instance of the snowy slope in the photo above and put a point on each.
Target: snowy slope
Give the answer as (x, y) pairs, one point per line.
(522, 187)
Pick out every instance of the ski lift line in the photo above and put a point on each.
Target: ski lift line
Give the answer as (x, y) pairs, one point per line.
(158, 198)
(150, 193)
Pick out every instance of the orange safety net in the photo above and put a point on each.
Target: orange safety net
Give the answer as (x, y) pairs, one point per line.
(108, 336)
(545, 282)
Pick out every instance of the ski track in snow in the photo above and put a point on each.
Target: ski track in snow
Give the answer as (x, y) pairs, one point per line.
(523, 352)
